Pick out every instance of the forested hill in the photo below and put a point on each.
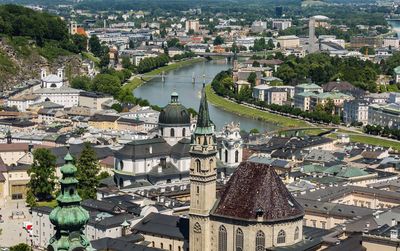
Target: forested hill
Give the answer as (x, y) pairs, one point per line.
(30, 40)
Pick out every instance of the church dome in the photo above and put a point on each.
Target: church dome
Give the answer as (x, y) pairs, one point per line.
(174, 113)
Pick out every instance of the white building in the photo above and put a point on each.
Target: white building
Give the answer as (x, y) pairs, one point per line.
(355, 111)
(52, 80)
(231, 149)
(22, 102)
(281, 24)
(384, 115)
(392, 42)
(64, 96)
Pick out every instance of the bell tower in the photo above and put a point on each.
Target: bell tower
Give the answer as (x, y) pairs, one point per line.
(203, 176)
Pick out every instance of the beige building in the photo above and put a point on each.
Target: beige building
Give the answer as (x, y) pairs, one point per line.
(192, 25)
(94, 100)
(288, 42)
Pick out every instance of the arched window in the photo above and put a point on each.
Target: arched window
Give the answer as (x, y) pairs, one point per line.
(172, 134)
(121, 165)
(198, 165)
(236, 156)
(162, 131)
(121, 183)
(296, 233)
(211, 164)
(239, 240)
(222, 242)
(226, 156)
(170, 247)
(183, 132)
(281, 237)
(260, 241)
(162, 245)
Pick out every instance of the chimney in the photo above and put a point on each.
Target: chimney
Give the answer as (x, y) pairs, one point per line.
(30, 147)
(394, 234)
(394, 223)
(163, 162)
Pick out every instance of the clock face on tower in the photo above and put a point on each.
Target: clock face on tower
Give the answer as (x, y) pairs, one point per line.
(237, 145)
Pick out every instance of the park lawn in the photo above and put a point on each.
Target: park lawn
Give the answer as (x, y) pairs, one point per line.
(136, 82)
(375, 141)
(251, 112)
(91, 57)
(52, 203)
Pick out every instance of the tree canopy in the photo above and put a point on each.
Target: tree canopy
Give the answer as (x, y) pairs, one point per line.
(42, 174)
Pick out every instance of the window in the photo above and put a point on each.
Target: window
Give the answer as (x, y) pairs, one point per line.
(121, 165)
(172, 134)
(198, 165)
(162, 245)
(239, 240)
(170, 247)
(260, 241)
(281, 237)
(222, 245)
(121, 182)
(198, 189)
(236, 156)
(323, 224)
(211, 164)
(226, 156)
(197, 228)
(183, 132)
(296, 233)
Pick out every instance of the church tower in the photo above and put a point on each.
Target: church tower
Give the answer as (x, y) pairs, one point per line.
(69, 217)
(203, 176)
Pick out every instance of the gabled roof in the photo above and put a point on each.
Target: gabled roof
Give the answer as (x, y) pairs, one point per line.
(174, 227)
(256, 188)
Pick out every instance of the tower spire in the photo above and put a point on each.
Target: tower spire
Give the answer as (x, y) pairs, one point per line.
(69, 218)
(203, 119)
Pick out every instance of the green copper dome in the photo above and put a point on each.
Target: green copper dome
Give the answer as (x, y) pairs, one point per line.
(69, 218)
(174, 113)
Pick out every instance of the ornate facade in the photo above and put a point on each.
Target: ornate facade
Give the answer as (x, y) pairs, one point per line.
(231, 150)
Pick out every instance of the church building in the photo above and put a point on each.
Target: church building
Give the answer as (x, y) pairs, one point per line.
(255, 210)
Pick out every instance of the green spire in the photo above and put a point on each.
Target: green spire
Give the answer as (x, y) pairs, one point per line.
(204, 124)
(69, 217)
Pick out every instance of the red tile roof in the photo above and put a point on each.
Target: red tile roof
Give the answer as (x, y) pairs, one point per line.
(255, 187)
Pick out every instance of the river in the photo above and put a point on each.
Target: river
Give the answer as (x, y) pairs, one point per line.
(180, 80)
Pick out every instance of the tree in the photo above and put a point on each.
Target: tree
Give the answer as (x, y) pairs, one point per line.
(366, 50)
(95, 46)
(126, 63)
(81, 82)
(42, 174)
(102, 175)
(80, 42)
(270, 45)
(218, 40)
(254, 131)
(106, 83)
(88, 169)
(117, 107)
(192, 112)
(252, 79)
(21, 247)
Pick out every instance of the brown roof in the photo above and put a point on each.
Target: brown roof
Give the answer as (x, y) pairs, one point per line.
(18, 147)
(255, 187)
